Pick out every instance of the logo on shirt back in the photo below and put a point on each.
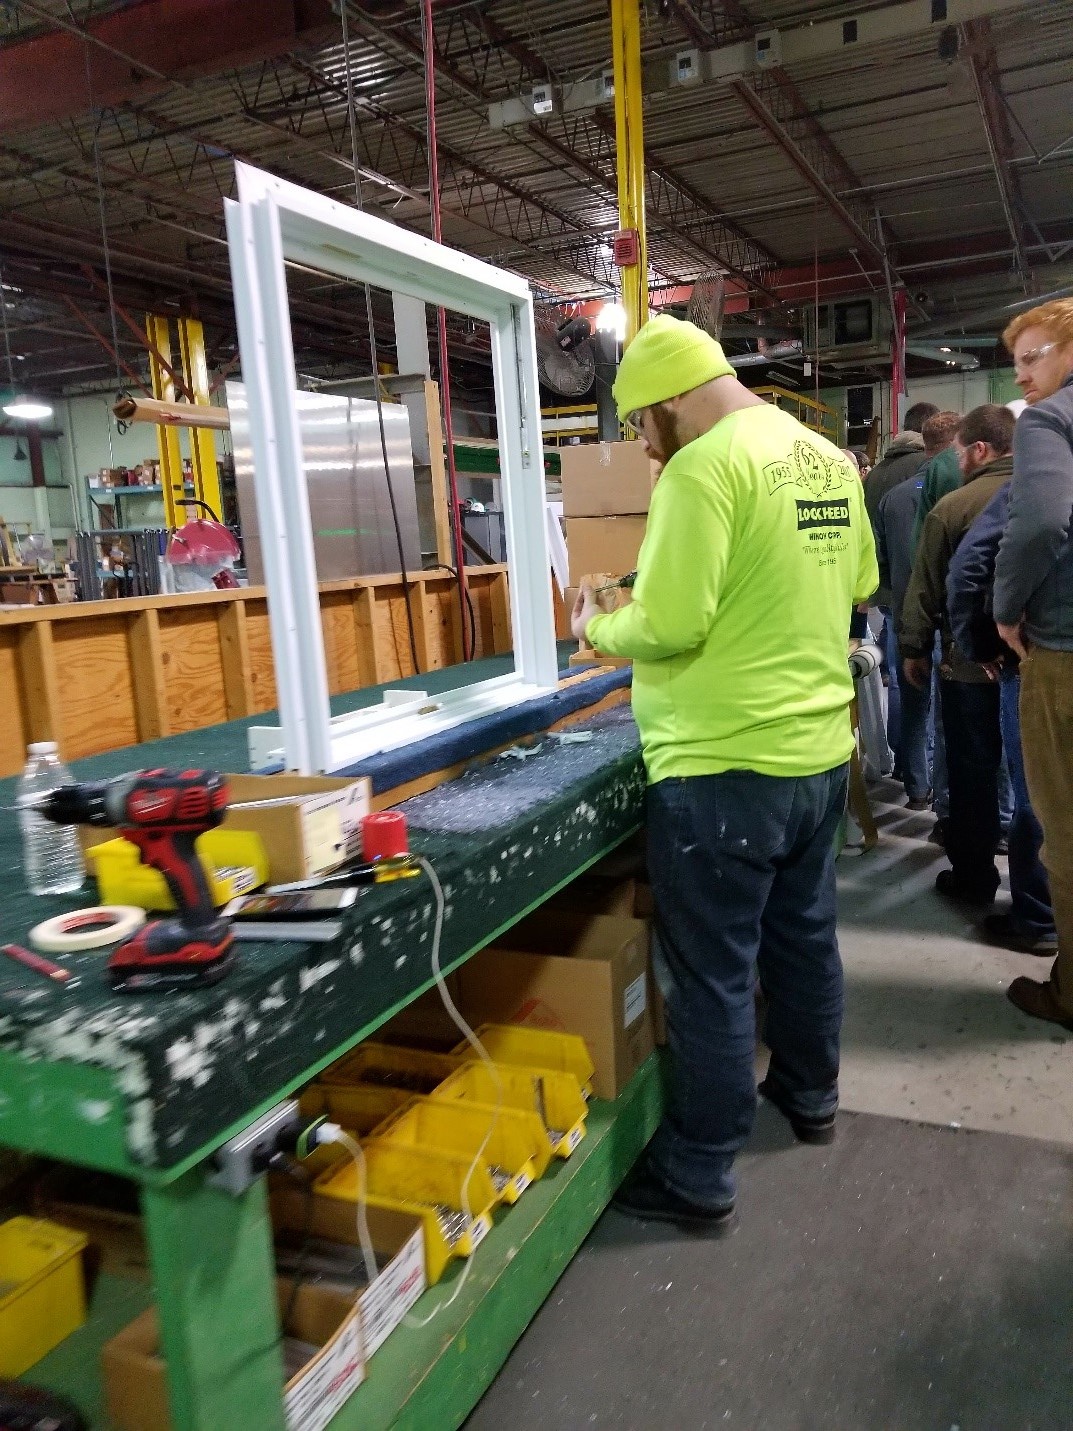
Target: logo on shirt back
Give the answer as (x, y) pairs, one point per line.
(808, 467)
(822, 514)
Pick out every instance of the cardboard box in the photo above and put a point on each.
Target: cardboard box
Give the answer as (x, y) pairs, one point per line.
(398, 1242)
(579, 973)
(313, 822)
(135, 1376)
(603, 544)
(316, 825)
(606, 479)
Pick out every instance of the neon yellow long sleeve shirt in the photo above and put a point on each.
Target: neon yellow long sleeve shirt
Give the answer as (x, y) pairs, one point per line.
(757, 547)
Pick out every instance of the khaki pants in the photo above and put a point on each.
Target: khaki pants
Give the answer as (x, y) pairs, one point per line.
(1047, 736)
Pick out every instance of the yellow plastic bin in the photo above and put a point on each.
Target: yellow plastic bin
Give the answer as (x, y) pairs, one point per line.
(423, 1180)
(515, 1145)
(42, 1290)
(388, 1065)
(358, 1108)
(555, 1096)
(234, 862)
(536, 1048)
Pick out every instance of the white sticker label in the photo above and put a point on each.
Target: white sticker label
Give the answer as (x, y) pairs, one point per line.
(316, 1393)
(477, 1229)
(636, 999)
(386, 1302)
(576, 1135)
(521, 1182)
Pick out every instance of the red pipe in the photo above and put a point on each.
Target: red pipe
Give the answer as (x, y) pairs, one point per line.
(441, 326)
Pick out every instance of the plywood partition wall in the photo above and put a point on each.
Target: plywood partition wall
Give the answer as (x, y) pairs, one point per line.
(99, 675)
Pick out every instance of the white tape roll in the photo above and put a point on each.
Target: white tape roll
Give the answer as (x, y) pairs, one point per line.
(87, 928)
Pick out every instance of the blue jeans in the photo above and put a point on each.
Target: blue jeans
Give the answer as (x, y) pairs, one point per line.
(1031, 893)
(891, 667)
(914, 721)
(973, 758)
(940, 781)
(743, 874)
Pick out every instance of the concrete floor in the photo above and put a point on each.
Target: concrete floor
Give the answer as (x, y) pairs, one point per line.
(915, 1276)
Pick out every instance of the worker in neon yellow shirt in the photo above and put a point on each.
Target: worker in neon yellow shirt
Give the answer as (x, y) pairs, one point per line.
(757, 549)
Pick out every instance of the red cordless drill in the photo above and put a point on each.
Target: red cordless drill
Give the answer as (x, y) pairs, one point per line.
(162, 812)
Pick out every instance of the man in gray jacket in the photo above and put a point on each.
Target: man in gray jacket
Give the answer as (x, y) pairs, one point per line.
(1033, 609)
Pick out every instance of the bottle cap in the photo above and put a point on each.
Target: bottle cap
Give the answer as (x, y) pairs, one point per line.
(43, 747)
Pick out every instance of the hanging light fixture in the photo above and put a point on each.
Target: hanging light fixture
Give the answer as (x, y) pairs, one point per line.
(22, 405)
(20, 455)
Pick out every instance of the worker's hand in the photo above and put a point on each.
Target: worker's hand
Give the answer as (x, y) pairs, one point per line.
(992, 669)
(917, 671)
(1015, 638)
(585, 608)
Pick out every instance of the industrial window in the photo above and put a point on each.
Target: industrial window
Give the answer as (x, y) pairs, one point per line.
(273, 223)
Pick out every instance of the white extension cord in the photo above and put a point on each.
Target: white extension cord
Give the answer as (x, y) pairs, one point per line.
(482, 1054)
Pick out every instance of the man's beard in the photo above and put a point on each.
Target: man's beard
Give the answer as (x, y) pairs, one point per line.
(666, 425)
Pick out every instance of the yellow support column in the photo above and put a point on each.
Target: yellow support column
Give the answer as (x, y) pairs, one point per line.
(167, 438)
(630, 145)
(202, 441)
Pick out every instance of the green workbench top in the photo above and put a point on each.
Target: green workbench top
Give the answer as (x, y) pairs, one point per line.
(148, 1084)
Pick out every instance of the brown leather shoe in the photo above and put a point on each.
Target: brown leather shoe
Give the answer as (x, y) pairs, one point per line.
(1038, 1001)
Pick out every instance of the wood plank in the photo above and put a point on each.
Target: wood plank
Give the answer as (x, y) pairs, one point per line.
(235, 656)
(499, 598)
(340, 648)
(193, 670)
(147, 667)
(97, 707)
(39, 680)
(15, 727)
(262, 670)
(372, 671)
(441, 504)
(424, 610)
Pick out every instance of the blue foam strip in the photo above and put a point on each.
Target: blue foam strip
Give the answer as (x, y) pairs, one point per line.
(466, 742)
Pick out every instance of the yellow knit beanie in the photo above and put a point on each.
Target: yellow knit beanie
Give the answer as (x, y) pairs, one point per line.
(668, 357)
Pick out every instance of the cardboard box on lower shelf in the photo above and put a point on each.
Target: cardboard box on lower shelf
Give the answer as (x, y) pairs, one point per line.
(135, 1375)
(579, 973)
(397, 1241)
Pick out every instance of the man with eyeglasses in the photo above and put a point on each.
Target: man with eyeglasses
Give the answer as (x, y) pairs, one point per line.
(757, 548)
(1033, 609)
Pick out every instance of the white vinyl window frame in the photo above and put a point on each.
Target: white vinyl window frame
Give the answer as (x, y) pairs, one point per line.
(274, 222)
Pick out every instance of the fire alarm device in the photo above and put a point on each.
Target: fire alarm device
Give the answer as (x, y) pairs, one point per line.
(543, 99)
(626, 248)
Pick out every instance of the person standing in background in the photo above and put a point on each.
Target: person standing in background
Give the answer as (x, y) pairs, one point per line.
(969, 695)
(1033, 609)
(895, 547)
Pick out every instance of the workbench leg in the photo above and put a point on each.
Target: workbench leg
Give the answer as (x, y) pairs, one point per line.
(214, 1279)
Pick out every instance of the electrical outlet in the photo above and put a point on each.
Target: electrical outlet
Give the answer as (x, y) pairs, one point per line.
(245, 1158)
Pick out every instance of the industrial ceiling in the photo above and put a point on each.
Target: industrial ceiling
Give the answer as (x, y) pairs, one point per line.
(924, 142)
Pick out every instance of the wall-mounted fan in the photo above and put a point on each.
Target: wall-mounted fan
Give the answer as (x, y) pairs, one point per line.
(566, 362)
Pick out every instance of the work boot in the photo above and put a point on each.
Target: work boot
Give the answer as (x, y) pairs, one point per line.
(1004, 931)
(805, 1130)
(919, 802)
(948, 885)
(644, 1195)
(1038, 1001)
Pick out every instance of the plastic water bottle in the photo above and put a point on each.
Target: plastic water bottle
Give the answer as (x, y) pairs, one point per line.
(51, 855)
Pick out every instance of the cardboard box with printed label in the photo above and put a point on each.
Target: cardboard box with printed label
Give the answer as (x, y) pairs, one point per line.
(603, 544)
(135, 1374)
(606, 479)
(307, 823)
(583, 974)
(397, 1239)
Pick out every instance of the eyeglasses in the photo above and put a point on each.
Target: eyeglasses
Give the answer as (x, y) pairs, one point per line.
(1031, 357)
(635, 421)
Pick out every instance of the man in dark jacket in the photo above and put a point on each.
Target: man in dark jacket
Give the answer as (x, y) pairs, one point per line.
(1033, 607)
(894, 526)
(969, 695)
(1028, 925)
(903, 458)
